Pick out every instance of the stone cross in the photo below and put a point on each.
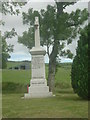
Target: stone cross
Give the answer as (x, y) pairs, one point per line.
(37, 34)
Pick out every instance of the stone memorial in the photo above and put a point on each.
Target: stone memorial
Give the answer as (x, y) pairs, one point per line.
(38, 83)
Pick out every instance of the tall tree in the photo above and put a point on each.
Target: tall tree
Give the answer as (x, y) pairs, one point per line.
(56, 27)
(0, 52)
(79, 72)
(7, 8)
(6, 49)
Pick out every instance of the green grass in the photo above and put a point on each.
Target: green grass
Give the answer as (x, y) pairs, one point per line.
(16, 76)
(63, 78)
(13, 80)
(13, 64)
(65, 104)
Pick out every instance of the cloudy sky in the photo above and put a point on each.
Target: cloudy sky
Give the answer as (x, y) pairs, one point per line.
(20, 51)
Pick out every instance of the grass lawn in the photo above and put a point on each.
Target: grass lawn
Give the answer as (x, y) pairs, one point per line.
(65, 104)
(62, 78)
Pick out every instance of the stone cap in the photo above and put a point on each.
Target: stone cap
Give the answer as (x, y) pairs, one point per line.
(37, 51)
(36, 21)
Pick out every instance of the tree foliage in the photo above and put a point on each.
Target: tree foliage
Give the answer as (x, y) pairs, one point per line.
(11, 7)
(5, 55)
(56, 27)
(79, 73)
(6, 49)
(67, 27)
(7, 8)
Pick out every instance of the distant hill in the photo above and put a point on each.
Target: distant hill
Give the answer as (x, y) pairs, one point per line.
(18, 63)
(12, 64)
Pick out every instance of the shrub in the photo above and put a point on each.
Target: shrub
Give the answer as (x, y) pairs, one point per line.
(79, 72)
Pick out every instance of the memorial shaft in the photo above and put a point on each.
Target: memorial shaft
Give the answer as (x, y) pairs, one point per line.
(38, 83)
(37, 33)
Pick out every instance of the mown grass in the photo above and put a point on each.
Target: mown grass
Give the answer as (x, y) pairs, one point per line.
(65, 104)
(61, 106)
(22, 78)
(16, 76)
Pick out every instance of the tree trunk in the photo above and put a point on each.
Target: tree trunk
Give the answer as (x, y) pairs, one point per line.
(51, 76)
(52, 66)
(59, 8)
(53, 55)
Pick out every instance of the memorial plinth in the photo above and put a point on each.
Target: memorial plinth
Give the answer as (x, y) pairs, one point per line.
(38, 83)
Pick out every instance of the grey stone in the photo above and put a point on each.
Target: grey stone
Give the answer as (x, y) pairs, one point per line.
(38, 84)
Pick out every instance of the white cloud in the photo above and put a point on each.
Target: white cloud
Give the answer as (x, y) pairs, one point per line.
(16, 22)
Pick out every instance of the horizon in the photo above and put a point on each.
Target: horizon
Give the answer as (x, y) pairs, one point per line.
(65, 61)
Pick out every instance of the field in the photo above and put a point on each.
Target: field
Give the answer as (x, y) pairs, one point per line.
(65, 104)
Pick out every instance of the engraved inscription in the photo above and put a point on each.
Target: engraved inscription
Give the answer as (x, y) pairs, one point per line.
(37, 62)
(38, 67)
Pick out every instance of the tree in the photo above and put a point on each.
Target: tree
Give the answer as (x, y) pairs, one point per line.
(0, 52)
(55, 27)
(6, 49)
(11, 7)
(79, 72)
(7, 8)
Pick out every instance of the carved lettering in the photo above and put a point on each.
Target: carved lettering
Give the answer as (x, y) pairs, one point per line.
(38, 66)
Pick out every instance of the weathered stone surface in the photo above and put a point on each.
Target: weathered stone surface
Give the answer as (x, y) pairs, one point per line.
(37, 34)
(38, 84)
(38, 67)
(37, 51)
(38, 95)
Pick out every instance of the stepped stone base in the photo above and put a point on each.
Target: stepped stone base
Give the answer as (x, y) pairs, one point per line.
(38, 85)
(38, 92)
(38, 95)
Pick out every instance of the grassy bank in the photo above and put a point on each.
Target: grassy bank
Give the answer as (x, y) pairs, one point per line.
(17, 80)
(65, 104)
